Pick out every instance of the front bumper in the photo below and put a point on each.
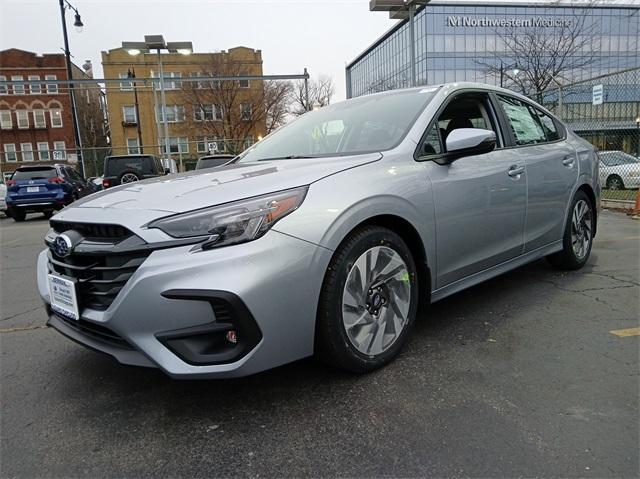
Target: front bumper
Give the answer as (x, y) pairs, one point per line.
(277, 278)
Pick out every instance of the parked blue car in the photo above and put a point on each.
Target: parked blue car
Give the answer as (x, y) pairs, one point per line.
(43, 189)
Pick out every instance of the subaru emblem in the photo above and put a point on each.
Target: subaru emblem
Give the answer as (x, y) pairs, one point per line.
(62, 246)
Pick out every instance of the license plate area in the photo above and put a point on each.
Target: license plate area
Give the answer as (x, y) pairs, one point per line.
(64, 299)
(33, 189)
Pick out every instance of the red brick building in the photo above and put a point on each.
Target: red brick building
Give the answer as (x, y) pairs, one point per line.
(35, 120)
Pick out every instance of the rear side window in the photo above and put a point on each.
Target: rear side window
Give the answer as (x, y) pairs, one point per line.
(141, 164)
(527, 130)
(548, 125)
(34, 173)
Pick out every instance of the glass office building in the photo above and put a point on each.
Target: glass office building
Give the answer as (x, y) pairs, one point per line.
(455, 41)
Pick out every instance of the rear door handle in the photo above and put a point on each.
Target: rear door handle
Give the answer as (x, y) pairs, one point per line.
(515, 171)
(568, 161)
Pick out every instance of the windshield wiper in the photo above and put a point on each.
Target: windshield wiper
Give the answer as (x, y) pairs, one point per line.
(290, 157)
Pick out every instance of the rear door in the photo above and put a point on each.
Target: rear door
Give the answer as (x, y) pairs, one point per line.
(479, 200)
(539, 141)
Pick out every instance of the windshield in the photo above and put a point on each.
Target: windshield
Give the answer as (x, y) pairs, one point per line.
(362, 125)
(617, 158)
(212, 162)
(34, 173)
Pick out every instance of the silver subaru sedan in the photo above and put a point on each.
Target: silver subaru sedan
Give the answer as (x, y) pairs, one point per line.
(325, 238)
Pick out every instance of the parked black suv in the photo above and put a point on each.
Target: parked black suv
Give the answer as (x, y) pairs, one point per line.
(130, 168)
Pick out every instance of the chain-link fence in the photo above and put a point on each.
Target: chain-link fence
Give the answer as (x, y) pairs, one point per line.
(605, 110)
(183, 154)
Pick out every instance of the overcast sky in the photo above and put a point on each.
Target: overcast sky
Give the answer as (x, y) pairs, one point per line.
(322, 35)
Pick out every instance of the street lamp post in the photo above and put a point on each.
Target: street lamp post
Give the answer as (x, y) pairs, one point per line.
(64, 4)
(402, 10)
(157, 43)
(132, 75)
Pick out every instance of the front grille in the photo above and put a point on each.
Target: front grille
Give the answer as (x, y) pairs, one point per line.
(91, 230)
(100, 264)
(96, 331)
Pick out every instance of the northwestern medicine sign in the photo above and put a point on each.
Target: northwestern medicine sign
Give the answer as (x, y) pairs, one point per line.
(454, 21)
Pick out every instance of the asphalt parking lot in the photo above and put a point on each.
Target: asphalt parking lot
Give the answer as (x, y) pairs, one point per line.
(520, 376)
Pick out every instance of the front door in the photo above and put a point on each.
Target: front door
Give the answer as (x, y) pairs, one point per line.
(480, 201)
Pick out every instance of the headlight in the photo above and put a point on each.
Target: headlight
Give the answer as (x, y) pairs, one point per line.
(233, 223)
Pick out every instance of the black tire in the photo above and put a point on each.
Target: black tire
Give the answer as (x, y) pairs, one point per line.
(614, 182)
(332, 344)
(18, 215)
(48, 214)
(129, 173)
(567, 259)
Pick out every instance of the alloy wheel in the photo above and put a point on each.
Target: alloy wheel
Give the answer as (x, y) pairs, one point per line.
(376, 300)
(581, 225)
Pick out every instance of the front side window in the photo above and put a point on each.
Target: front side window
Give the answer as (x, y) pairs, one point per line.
(361, 125)
(526, 129)
(52, 88)
(617, 158)
(56, 117)
(10, 152)
(431, 144)
(27, 151)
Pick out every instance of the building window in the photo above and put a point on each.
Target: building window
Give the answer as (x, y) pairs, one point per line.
(17, 89)
(129, 114)
(175, 113)
(248, 141)
(244, 83)
(52, 88)
(27, 151)
(201, 144)
(22, 119)
(177, 145)
(10, 152)
(43, 151)
(206, 113)
(171, 80)
(56, 117)
(4, 90)
(39, 120)
(6, 123)
(59, 150)
(126, 85)
(245, 111)
(35, 88)
(133, 148)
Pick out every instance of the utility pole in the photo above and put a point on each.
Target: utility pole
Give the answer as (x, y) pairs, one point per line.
(132, 75)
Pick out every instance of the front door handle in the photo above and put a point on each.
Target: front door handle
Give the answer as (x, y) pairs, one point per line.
(568, 161)
(515, 171)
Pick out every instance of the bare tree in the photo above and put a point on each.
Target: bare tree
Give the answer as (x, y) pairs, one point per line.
(232, 111)
(321, 91)
(544, 55)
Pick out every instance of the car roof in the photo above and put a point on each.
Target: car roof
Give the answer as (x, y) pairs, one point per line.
(39, 167)
(212, 157)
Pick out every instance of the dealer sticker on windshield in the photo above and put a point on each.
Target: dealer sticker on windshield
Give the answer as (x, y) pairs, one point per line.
(63, 296)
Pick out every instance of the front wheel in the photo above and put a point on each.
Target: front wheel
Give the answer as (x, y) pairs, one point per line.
(614, 182)
(368, 301)
(578, 235)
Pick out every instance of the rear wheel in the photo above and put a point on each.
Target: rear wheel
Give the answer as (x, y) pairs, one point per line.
(614, 182)
(48, 214)
(368, 301)
(578, 235)
(18, 215)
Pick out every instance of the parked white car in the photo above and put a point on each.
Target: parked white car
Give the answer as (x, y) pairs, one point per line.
(619, 170)
(3, 201)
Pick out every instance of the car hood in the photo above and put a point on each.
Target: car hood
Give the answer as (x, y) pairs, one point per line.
(198, 189)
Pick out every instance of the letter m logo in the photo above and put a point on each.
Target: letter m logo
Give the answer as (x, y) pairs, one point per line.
(454, 21)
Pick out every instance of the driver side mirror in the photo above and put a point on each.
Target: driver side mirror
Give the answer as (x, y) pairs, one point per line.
(463, 142)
